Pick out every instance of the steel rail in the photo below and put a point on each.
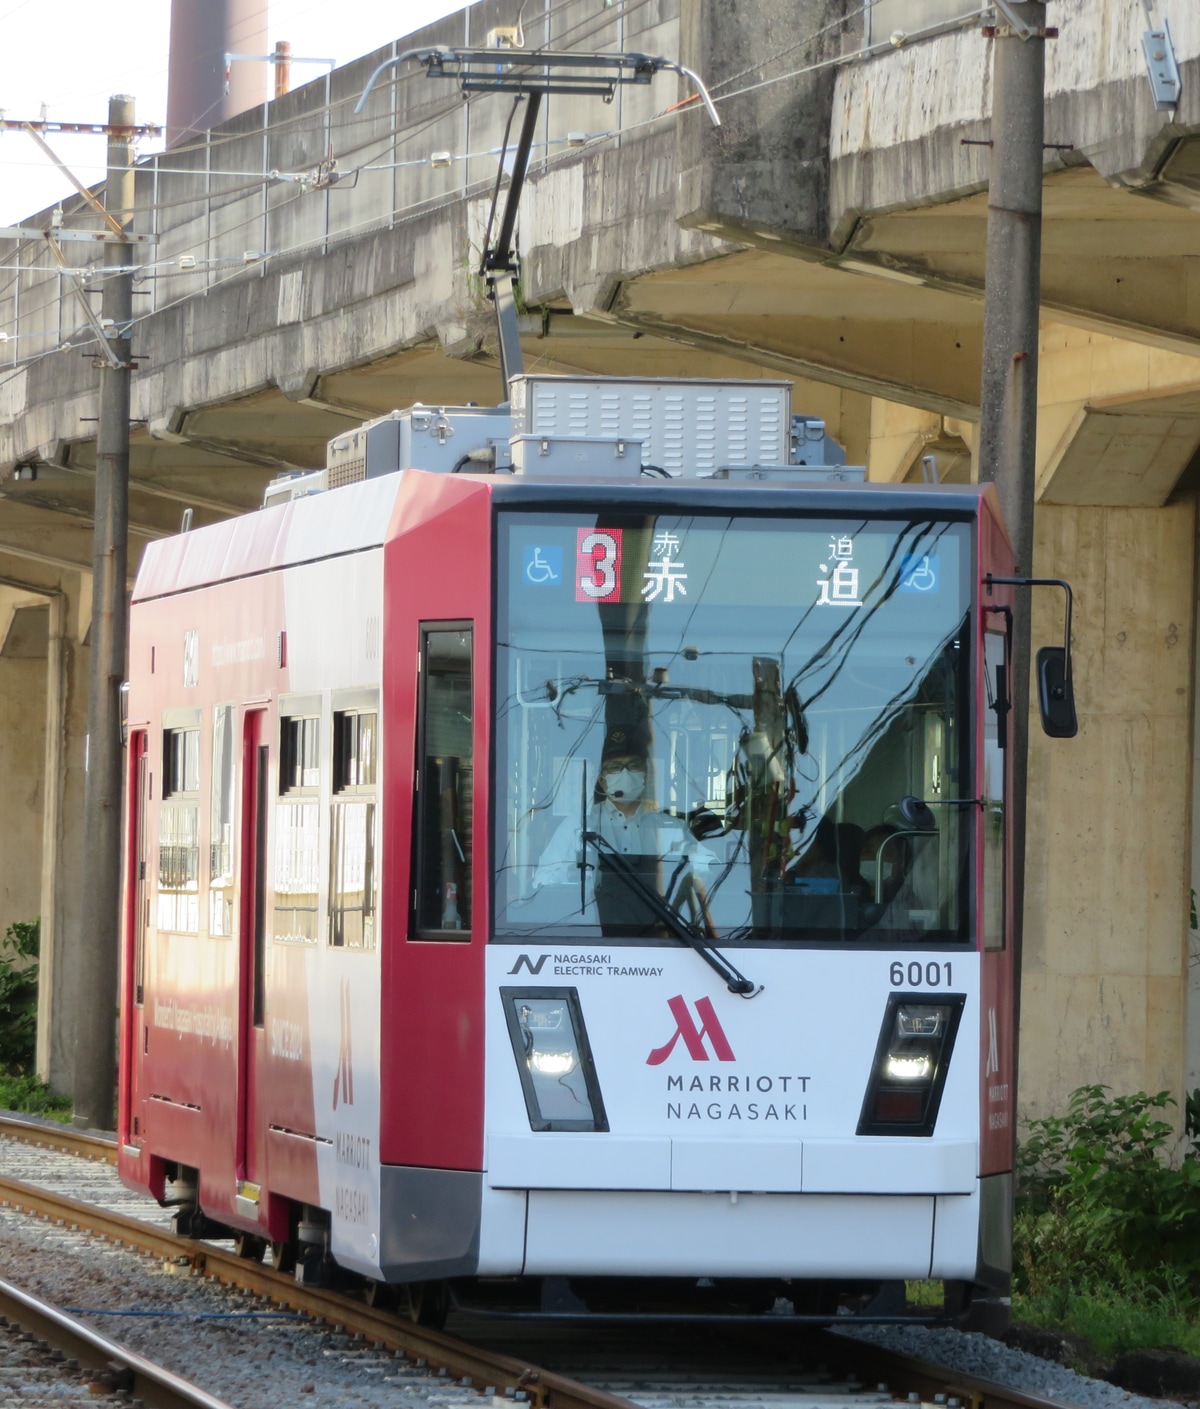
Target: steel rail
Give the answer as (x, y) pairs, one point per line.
(117, 1367)
(873, 1362)
(60, 1137)
(545, 1389)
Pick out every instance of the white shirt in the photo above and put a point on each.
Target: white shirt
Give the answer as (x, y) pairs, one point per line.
(646, 832)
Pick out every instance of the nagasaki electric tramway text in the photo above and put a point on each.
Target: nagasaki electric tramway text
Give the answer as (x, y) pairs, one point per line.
(578, 889)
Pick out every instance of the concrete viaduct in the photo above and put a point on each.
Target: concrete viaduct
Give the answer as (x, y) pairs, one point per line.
(313, 268)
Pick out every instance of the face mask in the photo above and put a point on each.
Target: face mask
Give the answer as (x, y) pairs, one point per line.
(868, 870)
(625, 786)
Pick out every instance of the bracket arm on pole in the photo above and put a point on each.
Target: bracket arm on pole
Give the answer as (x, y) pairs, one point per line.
(383, 68)
(1018, 26)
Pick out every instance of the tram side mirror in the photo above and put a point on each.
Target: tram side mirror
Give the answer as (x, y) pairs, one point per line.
(1056, 693)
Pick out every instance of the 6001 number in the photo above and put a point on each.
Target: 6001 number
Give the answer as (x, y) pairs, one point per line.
(918, 975)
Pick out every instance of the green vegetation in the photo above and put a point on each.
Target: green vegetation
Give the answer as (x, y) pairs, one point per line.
(1107, 1224)
(20, 1090)
(32, 1097)
(930, 1295)
(1115, 1322)
(18, 996)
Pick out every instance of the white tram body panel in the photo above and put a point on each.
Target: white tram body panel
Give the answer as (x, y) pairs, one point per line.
(713, 1152)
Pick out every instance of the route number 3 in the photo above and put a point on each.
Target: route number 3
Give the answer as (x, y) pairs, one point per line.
(598, 565)
(918, 975)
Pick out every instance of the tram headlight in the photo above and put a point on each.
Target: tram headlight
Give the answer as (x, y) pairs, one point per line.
(911, 1059)
(554, 1060)
(553, 1063)
(908, 1068)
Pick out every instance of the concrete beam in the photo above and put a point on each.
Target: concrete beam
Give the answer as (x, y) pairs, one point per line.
(80, 460)
(908, 181)
(27, 633)
(60, 496)
(1119, 422)
(44, 538)
(1113, 457)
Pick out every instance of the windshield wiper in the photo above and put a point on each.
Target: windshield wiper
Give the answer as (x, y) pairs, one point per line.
(734, 980)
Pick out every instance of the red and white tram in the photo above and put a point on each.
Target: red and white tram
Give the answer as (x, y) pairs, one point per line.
(578, 874)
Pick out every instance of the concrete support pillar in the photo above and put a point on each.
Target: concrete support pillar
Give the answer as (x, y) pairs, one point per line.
(1108, 878)
(23, 651)
(62, 824)
(1192, 1019)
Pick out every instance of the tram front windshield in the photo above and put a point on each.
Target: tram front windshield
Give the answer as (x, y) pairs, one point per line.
(761, 724)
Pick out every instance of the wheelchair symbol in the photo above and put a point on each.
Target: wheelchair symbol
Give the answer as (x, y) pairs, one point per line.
(919, 573)
(543, 565)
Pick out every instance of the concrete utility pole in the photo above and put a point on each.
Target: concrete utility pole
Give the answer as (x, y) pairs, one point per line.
(1012, 296)
(95, 970)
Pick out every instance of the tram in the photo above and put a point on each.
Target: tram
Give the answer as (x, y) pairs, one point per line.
(577, 874)
(568, 858)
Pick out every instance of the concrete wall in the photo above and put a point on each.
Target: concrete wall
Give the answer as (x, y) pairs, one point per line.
(63, 904)
(1108, 859)
(22, 760)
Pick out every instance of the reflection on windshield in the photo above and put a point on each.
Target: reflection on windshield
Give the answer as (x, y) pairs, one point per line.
(724, 714)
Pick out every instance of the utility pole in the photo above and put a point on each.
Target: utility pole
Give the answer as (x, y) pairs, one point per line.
(1008, 410)
(97, 962)
(283, 68)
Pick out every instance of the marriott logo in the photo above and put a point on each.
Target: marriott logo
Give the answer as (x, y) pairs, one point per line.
(693, 1032)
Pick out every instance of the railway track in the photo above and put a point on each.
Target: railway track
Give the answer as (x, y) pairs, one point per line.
(554, 1367)
(47, 1356)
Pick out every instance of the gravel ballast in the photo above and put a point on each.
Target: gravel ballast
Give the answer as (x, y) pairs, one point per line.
(296, 1361)
(975, 1354)
(231, 1344)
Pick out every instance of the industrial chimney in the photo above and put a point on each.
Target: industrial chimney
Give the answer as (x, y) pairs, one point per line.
(202, 33)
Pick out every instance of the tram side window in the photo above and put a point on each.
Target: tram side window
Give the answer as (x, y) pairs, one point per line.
(220, 832)
(178, 902)
(445, 772)
(297, 830)
(352, 881)
(299, 753)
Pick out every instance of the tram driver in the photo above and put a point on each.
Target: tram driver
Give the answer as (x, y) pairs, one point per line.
(658, 848)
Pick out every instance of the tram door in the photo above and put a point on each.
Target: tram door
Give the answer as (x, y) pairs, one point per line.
(252, 941)
(137, 917)
(995, 917)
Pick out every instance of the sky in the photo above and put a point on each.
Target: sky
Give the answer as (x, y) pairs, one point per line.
(71, 55)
